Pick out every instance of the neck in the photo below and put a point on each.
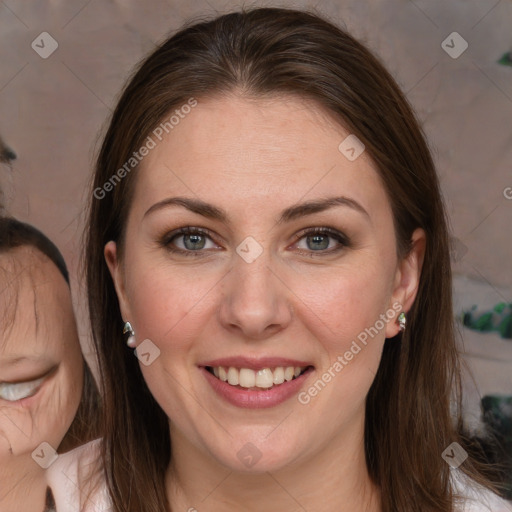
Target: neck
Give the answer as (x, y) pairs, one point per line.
(334, 479)
(23, 485)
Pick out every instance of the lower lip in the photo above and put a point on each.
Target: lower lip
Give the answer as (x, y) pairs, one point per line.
(252, 399)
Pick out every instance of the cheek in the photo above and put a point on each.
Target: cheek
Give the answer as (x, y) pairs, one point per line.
(61, 405)
(344, 314)
(17, 428)
(54, 413)
(5, 446)
(344, 302)
(45, 417)
(168, 309)
(168, 302)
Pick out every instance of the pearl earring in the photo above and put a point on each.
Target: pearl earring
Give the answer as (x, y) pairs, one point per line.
(131, 339)
(401, 320)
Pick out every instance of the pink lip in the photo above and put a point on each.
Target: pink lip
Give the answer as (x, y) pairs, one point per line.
(254, 363)
(257, 399)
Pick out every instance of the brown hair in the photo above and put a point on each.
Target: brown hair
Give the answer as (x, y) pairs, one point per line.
(14, 234)
(262, 52)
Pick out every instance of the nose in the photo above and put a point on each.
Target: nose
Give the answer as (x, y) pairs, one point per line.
(256, 302)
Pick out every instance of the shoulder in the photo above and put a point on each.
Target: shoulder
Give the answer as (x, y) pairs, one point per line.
(472, 497)
(76, 480)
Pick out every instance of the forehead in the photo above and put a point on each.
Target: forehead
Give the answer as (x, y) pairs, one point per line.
(263, 149)
(33, 296)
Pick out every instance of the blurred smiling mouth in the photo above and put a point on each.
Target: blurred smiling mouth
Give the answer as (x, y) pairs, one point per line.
(12, 392)
(252, 383)
(17, 391)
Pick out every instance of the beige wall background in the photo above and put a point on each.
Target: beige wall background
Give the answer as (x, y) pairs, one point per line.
(52, 111)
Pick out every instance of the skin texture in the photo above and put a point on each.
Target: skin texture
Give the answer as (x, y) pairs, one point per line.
(37, 322)
(253, 158)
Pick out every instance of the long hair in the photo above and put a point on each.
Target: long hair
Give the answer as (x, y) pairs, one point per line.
(264, 52)
(84, 427)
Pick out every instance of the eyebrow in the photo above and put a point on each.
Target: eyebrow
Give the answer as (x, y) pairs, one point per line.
(291, 213)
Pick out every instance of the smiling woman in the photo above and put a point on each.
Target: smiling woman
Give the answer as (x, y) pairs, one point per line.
(48, 397)
(294, 212)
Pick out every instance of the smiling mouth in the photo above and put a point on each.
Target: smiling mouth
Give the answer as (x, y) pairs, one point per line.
(16, 391)
(265, 378)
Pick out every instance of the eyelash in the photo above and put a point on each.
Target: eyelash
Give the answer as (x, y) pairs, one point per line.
(332, 233)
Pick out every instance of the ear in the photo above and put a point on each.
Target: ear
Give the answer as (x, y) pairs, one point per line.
(407, 279)
(116, 271)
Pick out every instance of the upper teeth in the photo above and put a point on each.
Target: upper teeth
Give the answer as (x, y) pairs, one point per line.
(264, 378)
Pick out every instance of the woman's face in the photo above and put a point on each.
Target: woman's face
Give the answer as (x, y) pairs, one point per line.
(40, 358)
(255, 284)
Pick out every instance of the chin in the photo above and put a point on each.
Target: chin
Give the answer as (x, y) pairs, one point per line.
(256, 457)
(261, 466)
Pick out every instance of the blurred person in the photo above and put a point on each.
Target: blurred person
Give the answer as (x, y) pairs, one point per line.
(48, 398)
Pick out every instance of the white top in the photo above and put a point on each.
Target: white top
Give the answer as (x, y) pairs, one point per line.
(63, 478)
(476, 498)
